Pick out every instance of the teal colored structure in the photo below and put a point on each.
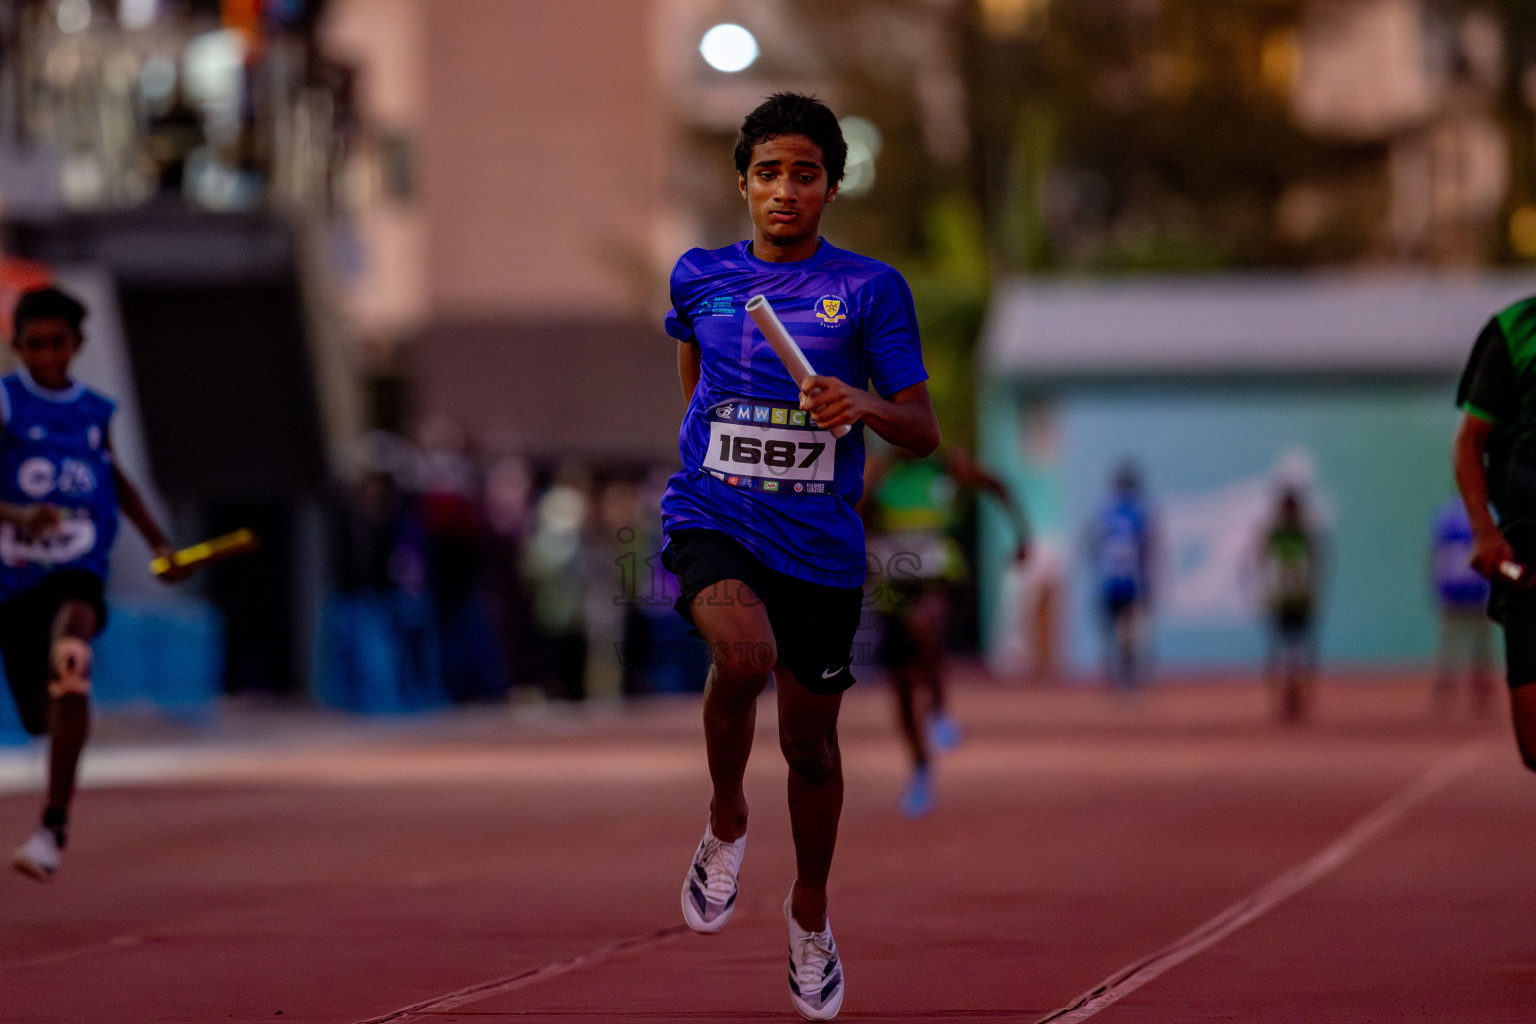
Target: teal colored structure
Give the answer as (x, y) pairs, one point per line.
(1221, 392)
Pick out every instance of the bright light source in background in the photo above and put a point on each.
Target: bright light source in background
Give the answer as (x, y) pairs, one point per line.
(728, 48)
(1522, 232)
(134, 14)
(864, 142)
(74, 16)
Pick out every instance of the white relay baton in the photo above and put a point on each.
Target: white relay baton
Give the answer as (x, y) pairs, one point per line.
(794, 360)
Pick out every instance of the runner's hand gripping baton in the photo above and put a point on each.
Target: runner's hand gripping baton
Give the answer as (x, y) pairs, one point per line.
(208, 552)
(794, 360)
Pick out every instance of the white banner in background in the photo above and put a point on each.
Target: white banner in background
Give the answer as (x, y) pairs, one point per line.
(1211, 542)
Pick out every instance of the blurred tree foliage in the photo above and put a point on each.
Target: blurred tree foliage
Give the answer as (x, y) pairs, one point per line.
(1122, 135)
(1113, 136)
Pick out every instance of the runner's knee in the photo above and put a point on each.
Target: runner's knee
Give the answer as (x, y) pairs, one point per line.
(811, 754)
(742, 666)
(69, 668)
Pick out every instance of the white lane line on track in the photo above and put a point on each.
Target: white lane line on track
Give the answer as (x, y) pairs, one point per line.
(500, 986)
(1132, 977)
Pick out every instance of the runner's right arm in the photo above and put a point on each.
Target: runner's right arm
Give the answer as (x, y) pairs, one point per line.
(690, 360)
(1489, 547)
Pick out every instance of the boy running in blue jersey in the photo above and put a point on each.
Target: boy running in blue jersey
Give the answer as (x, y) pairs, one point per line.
(760, 523)
(60, 491)
(1121, 546)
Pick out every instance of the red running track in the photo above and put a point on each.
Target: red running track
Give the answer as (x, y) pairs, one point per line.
(1374, 866)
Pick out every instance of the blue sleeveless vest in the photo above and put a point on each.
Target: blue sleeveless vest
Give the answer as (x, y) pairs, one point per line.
(53, 449)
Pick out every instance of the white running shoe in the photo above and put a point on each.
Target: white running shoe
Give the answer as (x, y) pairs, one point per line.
(39, 856)
(709, 890)
(815, 972)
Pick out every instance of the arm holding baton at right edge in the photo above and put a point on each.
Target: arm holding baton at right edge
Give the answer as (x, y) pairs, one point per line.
(1491, 553)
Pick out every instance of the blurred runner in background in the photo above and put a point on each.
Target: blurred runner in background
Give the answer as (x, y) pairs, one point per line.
(1122, 550)
(910, 510)
(1290, 568)
(1461, 596)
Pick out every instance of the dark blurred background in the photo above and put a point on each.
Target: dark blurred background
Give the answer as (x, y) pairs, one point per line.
(383, 280)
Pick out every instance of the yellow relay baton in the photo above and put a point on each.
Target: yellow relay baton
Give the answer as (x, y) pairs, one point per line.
(208, 552)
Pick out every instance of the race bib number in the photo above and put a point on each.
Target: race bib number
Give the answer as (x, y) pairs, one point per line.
(74, 539)
(770, 448)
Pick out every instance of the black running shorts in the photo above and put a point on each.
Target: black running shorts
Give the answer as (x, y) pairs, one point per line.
(1515, 607)
(26, 625)
(813, 624)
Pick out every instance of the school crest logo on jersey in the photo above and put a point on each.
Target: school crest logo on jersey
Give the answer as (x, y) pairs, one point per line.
(829, 310)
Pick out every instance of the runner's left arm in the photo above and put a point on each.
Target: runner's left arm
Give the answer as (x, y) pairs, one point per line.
(967, 472)
(133, 506)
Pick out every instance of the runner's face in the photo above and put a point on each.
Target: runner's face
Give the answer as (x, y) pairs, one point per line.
(786, 189)
(46, 346)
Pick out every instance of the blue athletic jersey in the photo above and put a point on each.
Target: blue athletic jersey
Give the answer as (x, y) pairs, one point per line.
(754, 465)
(1456, 581)
(53, 449)
(1122, 541)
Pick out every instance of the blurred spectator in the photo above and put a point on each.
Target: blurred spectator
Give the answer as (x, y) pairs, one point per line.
(661, 653)
(1466, 633)
(174, 134)
(1291, 567)
(553, 568)
(508, 512)
(1121, 547)
(450, 510)
(612, 534)
(378, 647)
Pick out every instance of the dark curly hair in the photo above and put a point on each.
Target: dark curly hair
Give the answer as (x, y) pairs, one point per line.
(791, 113)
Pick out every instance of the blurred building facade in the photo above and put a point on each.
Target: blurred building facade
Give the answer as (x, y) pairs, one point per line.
(461, 213)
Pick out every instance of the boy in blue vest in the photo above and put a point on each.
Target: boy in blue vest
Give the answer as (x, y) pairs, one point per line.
(60, 492)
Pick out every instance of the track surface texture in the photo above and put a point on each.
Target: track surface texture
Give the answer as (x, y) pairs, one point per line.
(525, 867)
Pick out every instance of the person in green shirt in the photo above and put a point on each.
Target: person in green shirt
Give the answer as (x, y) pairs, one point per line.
(911, 511)
(1494, 458)
(1291, 557)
